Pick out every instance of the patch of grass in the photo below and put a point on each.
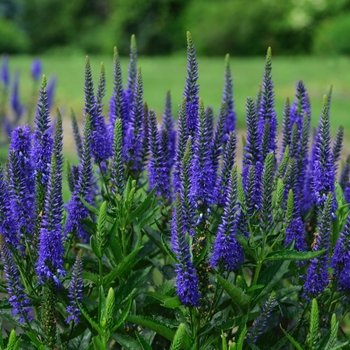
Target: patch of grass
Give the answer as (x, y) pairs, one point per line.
(168, 73)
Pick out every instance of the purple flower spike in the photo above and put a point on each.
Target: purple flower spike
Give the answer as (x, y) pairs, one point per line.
(16, 105)
(36, 69)
(203, 172)
(187, 280)
(323, 166)
(158, 170)
(227, 98)
(228, 253)
(341, 258)
(50, 261)
(191, 88)
(18, 298)
(267, 104)
(5, 71)
(317, 274)
(75, 294)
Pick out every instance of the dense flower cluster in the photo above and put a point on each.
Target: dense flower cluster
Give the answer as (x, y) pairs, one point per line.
(143, 191)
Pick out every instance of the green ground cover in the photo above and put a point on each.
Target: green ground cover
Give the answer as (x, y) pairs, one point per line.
(163, 73)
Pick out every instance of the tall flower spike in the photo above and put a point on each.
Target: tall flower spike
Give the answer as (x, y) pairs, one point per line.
(42, 141)
(101, 145)
(117, 103)
(337, 146)
(187, 200)
(323, 168)
(50, 262)
(136, 131)
(227, 252)
(36, 69)
(168, 125)
(266, 191)
(145, 142)
(227, 98)
(18, 298)
(76, 209)
(101, 90)
(317, 273)
(259, 324)
(218, 141)
(341, 259)
(16, 105)
(7, 228)
(158, 171)
(118, 171)
(5, 71)
(252, 149)
(267, 105)
(191, 88)
(286, 130)
(130, 91)
(209, 114)
(344, 175)
(51, 91)
(183, 135)
(21, 181)
(203, 172)
(75, 294)
(187, 280)
(302, 160)
(301, 106)
(42, 152)
(76, 134)
(222, 186)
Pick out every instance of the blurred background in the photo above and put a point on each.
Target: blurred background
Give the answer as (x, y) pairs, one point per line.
(310, 40)
(244, 28)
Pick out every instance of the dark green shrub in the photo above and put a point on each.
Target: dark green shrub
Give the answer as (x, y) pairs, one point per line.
(333, 36)
(12, 38)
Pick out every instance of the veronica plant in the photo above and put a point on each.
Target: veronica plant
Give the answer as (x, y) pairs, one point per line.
(167, 241)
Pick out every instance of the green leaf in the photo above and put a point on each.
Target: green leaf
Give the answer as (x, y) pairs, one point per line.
(145, 205)
(98, 344)
(177, 342)
(90, 207)
(122, 316)
(95, 248)
(256, 287)
(123, 268)
(11, 344)
(33, 337)
(152, 324)
(101, 221)
(101, 307)
(90, 319)
(236, 294)
(272, 275)
(158, 327)
(293, 255)
(143, 342)
(168, 250)
(90, 276)
(114, 243)
(241, 338)
(81, 342)
(223, 341)
(291, 339)
(126, 342)
(172, 303)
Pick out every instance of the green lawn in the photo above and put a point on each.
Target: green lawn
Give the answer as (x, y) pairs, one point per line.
(163, 73)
